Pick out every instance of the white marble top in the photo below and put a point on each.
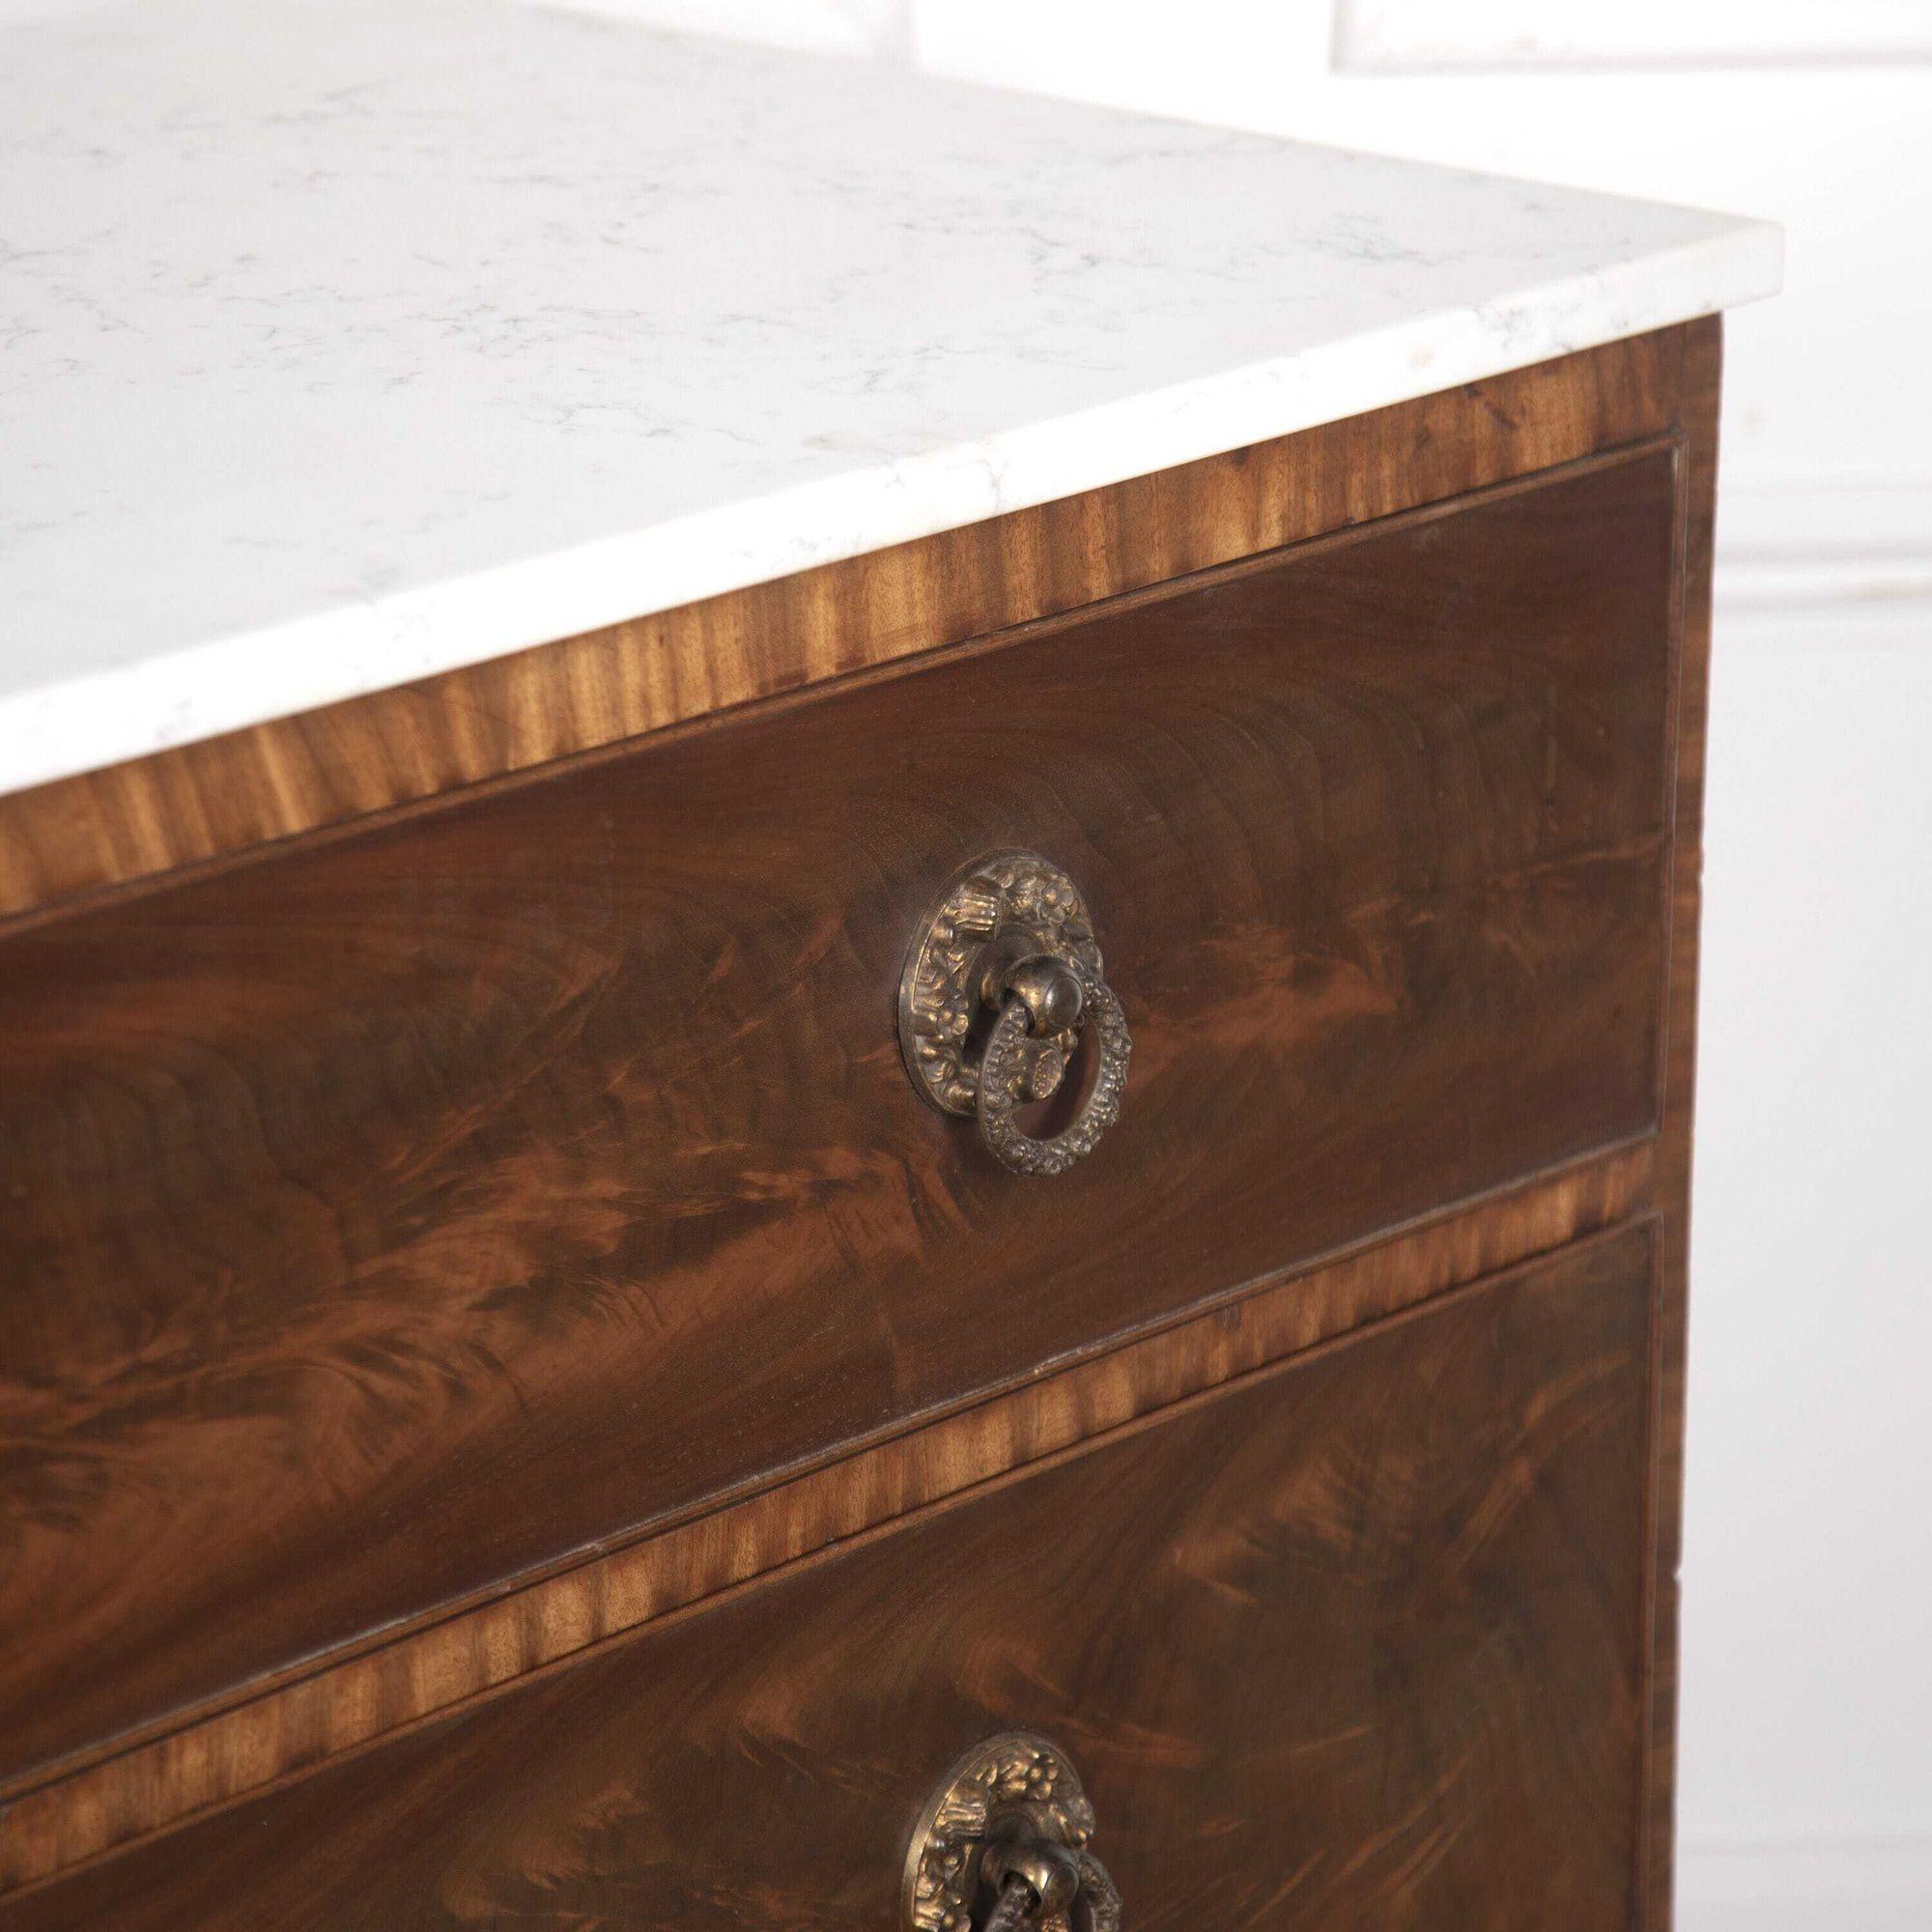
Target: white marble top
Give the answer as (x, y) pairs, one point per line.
(344, 342)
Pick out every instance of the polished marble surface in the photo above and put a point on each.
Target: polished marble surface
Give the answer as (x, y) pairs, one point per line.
(343, 343)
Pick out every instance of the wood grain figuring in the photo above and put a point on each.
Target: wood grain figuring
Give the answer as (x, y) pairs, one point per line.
(425, 1207)
(1360, 1644)
(224, 795)
(315, 1717)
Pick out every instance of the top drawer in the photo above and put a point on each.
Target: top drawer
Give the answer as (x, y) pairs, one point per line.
(395, 1214)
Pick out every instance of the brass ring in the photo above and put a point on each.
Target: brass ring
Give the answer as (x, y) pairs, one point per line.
(1003, 1077)
(1001, 977)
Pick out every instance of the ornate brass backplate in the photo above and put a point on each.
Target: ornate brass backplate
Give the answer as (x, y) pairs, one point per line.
(1014, 1790)
(999, 979)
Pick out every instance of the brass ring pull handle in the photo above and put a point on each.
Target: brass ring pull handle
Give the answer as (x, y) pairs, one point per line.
(1007, 1079)
(1050, 1887)
(1001, 1846)
(1000, 981)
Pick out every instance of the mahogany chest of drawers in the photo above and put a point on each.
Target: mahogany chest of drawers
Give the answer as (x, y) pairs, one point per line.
(521, 1409)
(847, 955)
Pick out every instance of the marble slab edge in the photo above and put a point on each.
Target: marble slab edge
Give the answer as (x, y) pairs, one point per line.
(249, 677)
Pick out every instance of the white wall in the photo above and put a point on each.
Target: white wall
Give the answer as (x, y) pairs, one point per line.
(1806, 1793)
(1806, 1769)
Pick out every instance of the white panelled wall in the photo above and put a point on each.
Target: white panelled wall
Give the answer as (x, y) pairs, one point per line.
(1805, 1791)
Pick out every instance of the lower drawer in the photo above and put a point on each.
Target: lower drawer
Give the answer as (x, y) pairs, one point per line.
(1356, 1641)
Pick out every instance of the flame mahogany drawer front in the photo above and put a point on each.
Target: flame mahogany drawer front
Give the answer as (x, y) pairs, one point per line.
(1356, 1641)
(399, 1211)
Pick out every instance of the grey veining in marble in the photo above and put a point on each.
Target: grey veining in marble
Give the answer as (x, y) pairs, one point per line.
(344, 343)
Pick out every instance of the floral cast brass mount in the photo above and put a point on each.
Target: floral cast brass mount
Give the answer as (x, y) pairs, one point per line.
(1012, 1809)
(1001, 977)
